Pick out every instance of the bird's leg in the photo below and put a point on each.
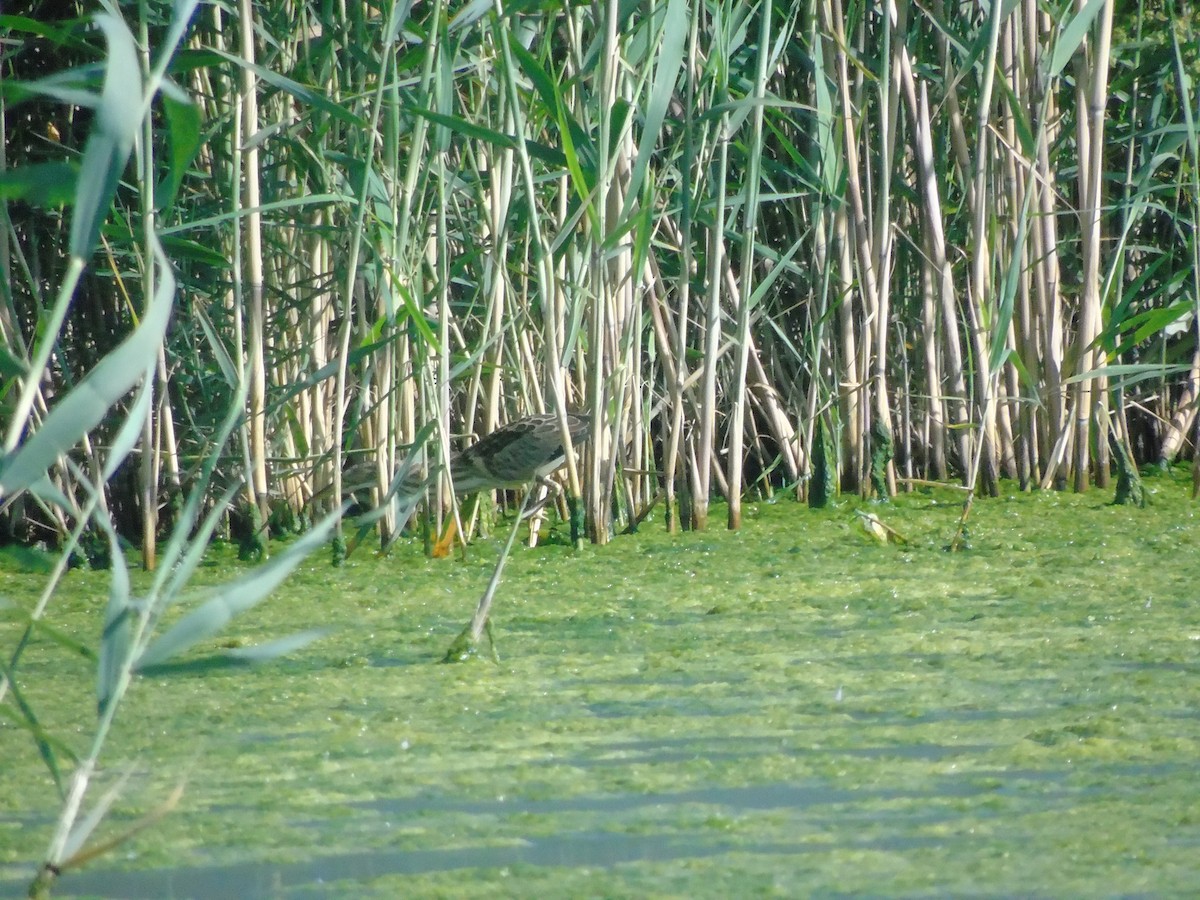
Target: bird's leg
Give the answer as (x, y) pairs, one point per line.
(553, 491)
(536, 511)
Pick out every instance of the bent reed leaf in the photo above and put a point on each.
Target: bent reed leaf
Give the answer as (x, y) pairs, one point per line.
(260, 653)
(110, 142)
(84, 407)
(237, 597)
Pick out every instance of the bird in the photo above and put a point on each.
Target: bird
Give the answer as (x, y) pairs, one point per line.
(517, 454)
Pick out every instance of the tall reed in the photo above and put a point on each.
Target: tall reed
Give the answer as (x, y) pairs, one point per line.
(711, 224)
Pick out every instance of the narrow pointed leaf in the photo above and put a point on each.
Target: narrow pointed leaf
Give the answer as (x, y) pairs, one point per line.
(131, 429)
(82, 409)
(111, 139)
(200, 541)
(306, 95)
(278, 647)
(84, 827)
(239, 596)
(117, 636)
(182, 117)
(666, 76)
(1073, 36)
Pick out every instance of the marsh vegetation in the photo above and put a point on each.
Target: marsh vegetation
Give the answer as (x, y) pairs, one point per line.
(775, 251)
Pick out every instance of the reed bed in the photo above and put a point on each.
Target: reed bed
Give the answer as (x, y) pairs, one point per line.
(769, 247)
(966, 232)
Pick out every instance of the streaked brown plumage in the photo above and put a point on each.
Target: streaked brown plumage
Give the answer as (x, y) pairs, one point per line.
(515, 454)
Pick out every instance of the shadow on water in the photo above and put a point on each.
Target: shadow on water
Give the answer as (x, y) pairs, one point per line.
(657, 752)
(849, 818)
(595, 849)
(731, 800)
(320, 878)
(826, 812)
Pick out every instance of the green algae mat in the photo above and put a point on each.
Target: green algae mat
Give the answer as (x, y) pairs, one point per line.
(791, 710)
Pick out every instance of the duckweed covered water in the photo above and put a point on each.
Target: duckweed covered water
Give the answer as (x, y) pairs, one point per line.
(785, 711)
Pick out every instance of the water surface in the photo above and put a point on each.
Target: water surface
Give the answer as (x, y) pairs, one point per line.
(785, 711)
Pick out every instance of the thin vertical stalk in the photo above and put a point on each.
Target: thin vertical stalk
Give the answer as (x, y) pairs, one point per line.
(712, 330)
(605, 283)
(543, 261)
(256, 337)
(1089, 393)
(743, 293)
(349, 287)
(980, 290)
(673, 451)
(889, 102)
(148, 467)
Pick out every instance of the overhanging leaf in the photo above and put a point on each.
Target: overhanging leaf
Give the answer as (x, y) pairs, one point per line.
(237, 597)
(278, 647)
(131, 428)
(666, 76)
(1073, 36)
(301, 92)
(183, 132)
(82, 409)
(111, 139)
(117, 635)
